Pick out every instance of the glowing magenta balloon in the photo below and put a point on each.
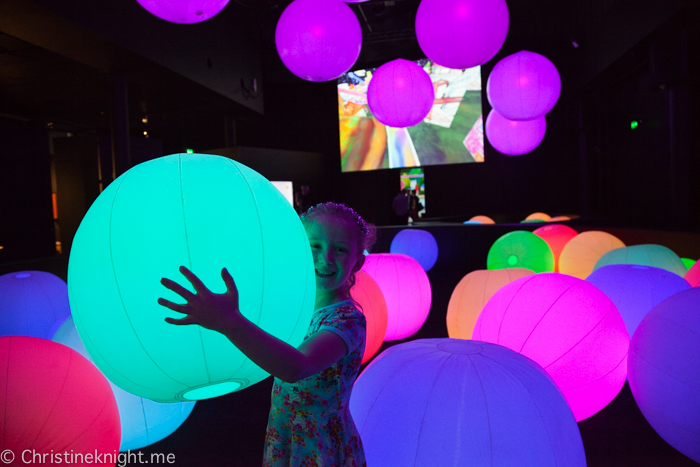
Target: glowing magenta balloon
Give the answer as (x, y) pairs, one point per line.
(657, 256)
(523, 86)
(400, 94)
(636, 289)
(472, 293)
(440, 402)
(184, 11)
(318, 40)
(406, 289)
(693, 275)
(514, 138)
(369, 296)
(556, 236)
(664, 371)
(52, 399)
(461, 33)
(31, 303)
(418, 244)
(570, 328)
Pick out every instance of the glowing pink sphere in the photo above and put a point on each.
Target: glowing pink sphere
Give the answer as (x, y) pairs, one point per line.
(369, 296)
(636, 289)
(54, 399)
(461, 33)
(664, 371)
(693, 275)
(523, 86)
(514, 138)
(400, 94)
(184, 11)
(406, 289)
(556, 236)
(318, 40)
(454, 402)
(570, 328)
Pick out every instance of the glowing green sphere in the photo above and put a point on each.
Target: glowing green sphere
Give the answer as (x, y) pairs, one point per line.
(520, 249)
(204, 212)
(688, 262)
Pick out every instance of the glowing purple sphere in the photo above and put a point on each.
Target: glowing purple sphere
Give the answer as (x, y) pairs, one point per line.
(318, 40)
(184, 11)
(664, 371)
(523, 86)
(461, 33)
(636, 289)
(512, 137)
(418, 244)
(570, 328)
(400, 94)
(439, 402)
(406, 289)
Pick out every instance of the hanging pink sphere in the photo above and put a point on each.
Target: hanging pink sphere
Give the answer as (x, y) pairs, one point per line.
(556, 236)
(53, 399)
(184, 11)
(369, 296)
(570, 328)
(318, 40)
(664, 371)
(400, 94)
(514, 138)
(693, 275)
(523, 86)
(406, 289)
(461, 33)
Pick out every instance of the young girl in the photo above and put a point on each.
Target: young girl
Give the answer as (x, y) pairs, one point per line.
(310, 422)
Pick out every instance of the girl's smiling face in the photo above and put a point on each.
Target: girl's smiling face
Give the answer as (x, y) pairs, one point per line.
(336, 253)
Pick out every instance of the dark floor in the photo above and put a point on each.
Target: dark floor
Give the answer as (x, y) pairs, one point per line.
(229, 430)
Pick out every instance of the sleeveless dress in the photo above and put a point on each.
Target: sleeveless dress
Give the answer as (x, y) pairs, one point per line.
(310, 423)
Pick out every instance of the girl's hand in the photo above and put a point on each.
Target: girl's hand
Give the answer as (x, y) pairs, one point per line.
(218, 312)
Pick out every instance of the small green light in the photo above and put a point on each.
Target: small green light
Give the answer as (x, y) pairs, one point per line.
(634, 124)
(190, 151)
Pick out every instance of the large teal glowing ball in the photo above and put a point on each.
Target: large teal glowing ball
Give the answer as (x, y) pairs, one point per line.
(635, 289)
(657, 256)
(520, 249)
(143, 421)
(204, 212)
(664, 370)
(439, 402)
(418, 244)
(31, 302)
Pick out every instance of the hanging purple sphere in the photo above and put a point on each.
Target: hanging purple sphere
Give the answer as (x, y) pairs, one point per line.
(461, 33)
(400, 94)
(514, 138)
(523, 86)
(318, 40)
(184, 11)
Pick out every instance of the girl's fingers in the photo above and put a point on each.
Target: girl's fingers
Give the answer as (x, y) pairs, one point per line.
(228, 280)
(173, 306)
(194, 280)
(181, 322)
(177, 288)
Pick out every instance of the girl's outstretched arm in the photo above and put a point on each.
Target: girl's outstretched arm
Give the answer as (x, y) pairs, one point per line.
(219, 312)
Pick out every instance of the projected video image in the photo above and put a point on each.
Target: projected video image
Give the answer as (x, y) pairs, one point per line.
(452, 133)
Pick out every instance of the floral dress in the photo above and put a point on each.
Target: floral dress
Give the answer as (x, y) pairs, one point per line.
(310, 423)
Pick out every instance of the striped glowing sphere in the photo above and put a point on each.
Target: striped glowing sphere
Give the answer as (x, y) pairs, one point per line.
(471, 295)
(439, 402)
(568, 326)
(31, 303)
(418, 244)
(556, 236)
(520, 249)
(369, 296)
(173, 211)
(664, 371)
(580, 254)
(657, 256)
(406, 289)
(52, 399)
